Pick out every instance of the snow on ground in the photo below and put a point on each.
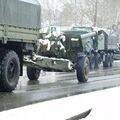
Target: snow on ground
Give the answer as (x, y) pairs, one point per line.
(105, 105)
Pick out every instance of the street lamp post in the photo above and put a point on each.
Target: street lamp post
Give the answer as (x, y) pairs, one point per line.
(95, 15)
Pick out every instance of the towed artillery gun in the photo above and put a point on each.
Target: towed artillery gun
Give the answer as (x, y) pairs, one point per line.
(19, 33)
(62, 56)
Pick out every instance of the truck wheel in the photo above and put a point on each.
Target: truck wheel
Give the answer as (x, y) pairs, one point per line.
(33, 73)
(99, 59)
(105, 61)
(9, 70)
(82, 69)
(96, 61)
(111, 59)
(92, 62)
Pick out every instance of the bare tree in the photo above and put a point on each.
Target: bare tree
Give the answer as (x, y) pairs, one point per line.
(101, 13)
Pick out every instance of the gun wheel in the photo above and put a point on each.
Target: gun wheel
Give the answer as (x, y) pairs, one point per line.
(33, 73)
(82, 69)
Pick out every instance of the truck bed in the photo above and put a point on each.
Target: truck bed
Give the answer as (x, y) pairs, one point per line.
(19, 20)
(18, 34)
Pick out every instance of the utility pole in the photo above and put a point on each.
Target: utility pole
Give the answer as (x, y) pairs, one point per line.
(75, 13)
(95, 15)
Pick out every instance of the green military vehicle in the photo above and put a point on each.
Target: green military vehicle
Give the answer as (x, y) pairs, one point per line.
(97, 48)
(19, 29)
(19, 40)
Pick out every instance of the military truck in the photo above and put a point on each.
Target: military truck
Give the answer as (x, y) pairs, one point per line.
(19, 29)
(20, 44)
(97, 48)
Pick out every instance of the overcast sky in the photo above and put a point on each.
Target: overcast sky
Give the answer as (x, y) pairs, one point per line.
(55, 4)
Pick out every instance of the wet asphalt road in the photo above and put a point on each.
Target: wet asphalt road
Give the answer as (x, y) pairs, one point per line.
(56, 85)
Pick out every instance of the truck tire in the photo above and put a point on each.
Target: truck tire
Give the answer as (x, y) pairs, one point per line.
(111, 59)
(92, 62)
(105, 60)
(9, 70)
(33, 73)
(97, 61)
(82, 69)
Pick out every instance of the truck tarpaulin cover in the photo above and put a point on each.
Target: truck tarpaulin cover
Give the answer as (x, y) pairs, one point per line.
(21, 13)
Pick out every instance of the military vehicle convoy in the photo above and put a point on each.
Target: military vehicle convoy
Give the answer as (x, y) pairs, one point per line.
(20, 44)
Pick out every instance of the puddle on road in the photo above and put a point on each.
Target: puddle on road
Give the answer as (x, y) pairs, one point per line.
(45, 77)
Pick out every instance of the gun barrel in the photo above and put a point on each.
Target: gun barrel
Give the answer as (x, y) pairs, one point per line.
(84, 36)
(53, 64)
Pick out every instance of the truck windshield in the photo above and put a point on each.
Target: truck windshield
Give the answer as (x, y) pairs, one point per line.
(87, 29)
